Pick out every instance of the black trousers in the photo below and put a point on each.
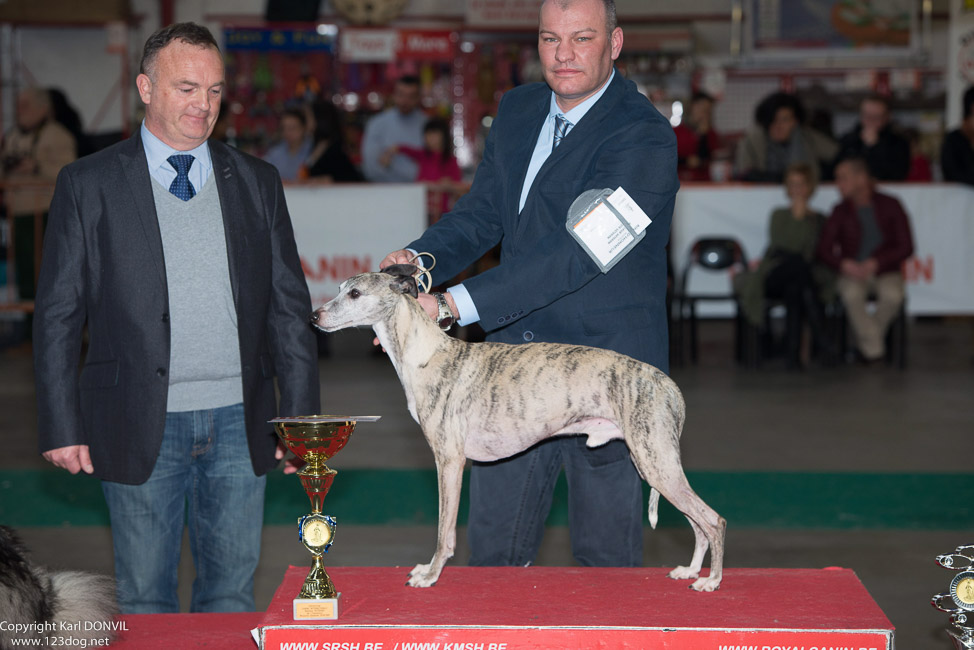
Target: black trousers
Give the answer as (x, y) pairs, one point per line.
(791, 282)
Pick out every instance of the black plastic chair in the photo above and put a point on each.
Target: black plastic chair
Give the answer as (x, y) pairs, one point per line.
(714, 255)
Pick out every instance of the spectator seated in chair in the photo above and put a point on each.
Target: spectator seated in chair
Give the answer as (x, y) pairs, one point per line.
(696, 139)
(887, 152)
(788, 271)
(866, 240)
(957, 153)
(780, 138)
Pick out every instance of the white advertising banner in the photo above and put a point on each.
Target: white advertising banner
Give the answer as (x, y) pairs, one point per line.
(960, 58)
(503, 13)
(368, 45)
(343, 230)
(939, 276)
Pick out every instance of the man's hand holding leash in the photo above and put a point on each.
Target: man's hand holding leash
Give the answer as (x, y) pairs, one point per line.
(426, 300)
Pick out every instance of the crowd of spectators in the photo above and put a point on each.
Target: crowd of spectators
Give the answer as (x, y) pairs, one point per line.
(401, 144)
(404, 144)
(782, 135)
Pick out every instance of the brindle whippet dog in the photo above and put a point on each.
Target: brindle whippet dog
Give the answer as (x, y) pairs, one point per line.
(487, 401)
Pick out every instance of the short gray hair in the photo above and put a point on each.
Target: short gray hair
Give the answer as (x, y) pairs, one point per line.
(190, 33)
(611, 18)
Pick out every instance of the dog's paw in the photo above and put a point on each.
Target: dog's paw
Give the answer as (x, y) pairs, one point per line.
(706, 584)
(422, 576)
(418, 569)
(683, 573)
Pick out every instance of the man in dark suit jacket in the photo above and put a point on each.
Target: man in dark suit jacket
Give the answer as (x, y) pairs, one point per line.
(547, 288)
(886, 152)
(178, 254)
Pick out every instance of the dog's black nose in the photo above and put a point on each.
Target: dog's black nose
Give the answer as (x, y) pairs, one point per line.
(314, 316)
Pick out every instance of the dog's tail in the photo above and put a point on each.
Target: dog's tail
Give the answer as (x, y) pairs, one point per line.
(85, 598)
(653, 507)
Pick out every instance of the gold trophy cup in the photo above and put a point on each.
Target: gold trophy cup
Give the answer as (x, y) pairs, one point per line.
(315, 439)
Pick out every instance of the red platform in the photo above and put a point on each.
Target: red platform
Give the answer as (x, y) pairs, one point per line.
(548, 607)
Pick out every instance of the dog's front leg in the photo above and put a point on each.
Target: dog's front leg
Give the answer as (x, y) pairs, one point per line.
(449, 472)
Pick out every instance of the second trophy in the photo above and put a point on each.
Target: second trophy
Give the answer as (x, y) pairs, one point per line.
(315, 439)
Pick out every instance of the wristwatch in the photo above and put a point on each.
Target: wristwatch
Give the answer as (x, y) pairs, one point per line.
(444, 317)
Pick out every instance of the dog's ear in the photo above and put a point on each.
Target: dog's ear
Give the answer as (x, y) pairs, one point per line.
(405, 278)
(410, 270)
(405, 284)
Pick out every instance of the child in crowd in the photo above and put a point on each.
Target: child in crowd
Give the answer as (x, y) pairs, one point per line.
(437, 164)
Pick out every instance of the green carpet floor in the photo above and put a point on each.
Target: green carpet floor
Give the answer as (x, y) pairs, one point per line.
(832, 501)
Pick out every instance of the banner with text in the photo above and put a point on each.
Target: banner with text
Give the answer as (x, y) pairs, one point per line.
(343, 230)
(360, 45)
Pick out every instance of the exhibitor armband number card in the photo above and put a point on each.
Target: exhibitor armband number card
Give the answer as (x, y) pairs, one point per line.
(607, 225)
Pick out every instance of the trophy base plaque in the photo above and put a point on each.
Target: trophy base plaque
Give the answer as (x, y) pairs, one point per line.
(316, 609)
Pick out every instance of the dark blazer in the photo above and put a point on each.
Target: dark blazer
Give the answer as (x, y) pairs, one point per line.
(546, 287)
(957, 158)
(842, 233)
(103, 266)
(888, 159)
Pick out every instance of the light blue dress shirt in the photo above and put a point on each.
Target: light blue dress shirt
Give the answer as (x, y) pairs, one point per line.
(386, 129)
(157, 152)
(542, 149)
(288, 164)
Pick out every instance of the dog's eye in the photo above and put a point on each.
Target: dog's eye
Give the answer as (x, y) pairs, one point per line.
(354, 293)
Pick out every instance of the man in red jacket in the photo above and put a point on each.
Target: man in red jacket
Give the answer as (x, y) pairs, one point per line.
(866, 240)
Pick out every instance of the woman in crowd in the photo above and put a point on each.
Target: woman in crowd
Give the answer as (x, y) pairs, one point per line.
(788, 272)
(779, 139)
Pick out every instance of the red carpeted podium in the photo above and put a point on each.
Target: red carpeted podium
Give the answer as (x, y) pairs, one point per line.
(549, 607)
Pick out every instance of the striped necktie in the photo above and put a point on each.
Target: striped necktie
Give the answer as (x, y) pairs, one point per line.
(562, 127)
(181, 188)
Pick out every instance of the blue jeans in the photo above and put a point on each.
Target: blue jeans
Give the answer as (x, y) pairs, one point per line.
(510, 500)
(204, 462)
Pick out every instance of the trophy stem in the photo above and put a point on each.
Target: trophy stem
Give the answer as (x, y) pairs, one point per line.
(316, 485)
(318, 584)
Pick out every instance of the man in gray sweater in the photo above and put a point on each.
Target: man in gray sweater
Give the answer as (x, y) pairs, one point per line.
(178, 255)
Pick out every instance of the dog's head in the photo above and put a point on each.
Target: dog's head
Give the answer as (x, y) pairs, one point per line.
(367, 298)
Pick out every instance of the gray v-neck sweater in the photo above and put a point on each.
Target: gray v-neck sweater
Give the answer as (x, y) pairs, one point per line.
(204, 362)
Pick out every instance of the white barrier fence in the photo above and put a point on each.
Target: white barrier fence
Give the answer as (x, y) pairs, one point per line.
(939, 276)
(342, 230)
